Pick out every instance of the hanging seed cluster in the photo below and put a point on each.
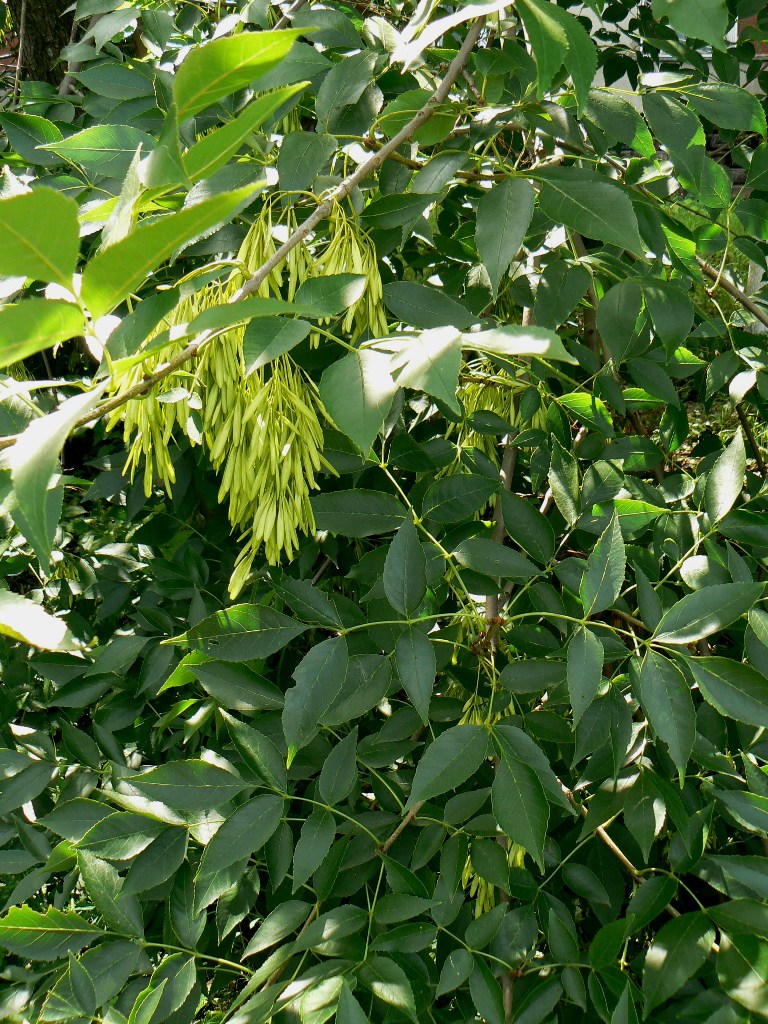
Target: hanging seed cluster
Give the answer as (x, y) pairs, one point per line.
(488, 391)
(262, 430)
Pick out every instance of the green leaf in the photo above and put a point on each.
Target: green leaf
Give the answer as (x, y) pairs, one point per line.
(349, 1010)
(389, 983)
(120, 913)
(236, 687)
(104, 150)
(430, 362)
(517, 746)
(189, 785)
(548, 38)
(405, 570)
(283, 920)
(666, 700)
(25, 786)
(241, 633)
(644, 812)
(486, 994)
(344, 84)
(589, 410)
(602, 582)
(403, 108)
(457, 497)
(35, 325)
(706, 611)
(34, 461)
(217, 148)
(357, 513)
(757, 176)
(332, 293)
(302, 156)
(589, 203)
(564, 481)
(671, 311)
(421, 306)
(225, 65)
(749, 809)
(736, 690)
(246, 830)
(486, 556)
(580, 57)
(23, 620)
(456, 969)
(741, 917)
(357, 392)
(679, 948)
(521, 808)
(503, 216)
(516, 341)
(616, 116)
(417, 667)
(119, 836)
(742, 970)
(115, 272)
(41, 237)
(265, 340)
(317, 835)
(585, 670)
(448, 762)
(617, 315)
(625, 1012)
(339, 774)
(82, 986)
(27, 133)
(48, 936)
(259, 753)
(320, 677)
(725, 480)
(728, 106)
(528, 527)
(396, 211)
(158, 862)
(701, 19)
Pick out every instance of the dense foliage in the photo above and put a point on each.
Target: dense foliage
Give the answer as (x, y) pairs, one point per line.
(385, 524)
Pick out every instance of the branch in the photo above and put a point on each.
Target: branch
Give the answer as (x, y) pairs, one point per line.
(20, 55)
(285, 19)
(401, 827)
(321, 212)
(368, 167)
(736, 293)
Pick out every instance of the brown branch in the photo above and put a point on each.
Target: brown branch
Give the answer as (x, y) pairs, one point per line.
(285, 19)
(320, 213)
(368, 167)
(401, 827)
(736, 293)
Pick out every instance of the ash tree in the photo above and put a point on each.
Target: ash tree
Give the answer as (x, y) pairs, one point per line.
(384, 515)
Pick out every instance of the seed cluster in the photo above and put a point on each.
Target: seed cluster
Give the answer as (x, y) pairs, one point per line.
(262, 430)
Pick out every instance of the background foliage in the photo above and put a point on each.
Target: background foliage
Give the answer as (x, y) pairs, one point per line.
(414, 666)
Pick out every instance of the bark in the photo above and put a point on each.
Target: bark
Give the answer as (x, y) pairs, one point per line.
(46, 32)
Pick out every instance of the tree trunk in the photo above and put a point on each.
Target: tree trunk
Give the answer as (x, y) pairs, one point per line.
(45, 33)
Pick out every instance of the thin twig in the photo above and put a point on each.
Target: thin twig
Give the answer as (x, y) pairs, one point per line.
(367, 168)
(736, 293)
(321, 212)
(401, 827)
(285, 20)
(20, 55)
